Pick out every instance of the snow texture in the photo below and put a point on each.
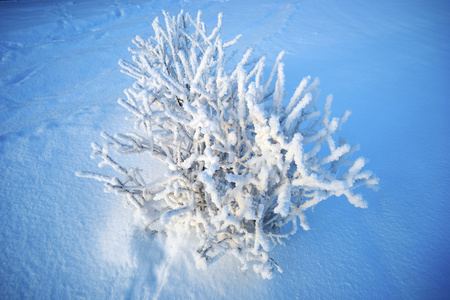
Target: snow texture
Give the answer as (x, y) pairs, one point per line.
(61, 237)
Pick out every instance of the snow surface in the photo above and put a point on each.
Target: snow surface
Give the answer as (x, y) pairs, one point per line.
(62, 237)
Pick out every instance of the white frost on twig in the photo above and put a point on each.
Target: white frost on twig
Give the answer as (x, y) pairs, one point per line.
(239, 173)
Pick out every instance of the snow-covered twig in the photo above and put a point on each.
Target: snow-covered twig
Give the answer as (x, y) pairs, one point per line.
(239, 173)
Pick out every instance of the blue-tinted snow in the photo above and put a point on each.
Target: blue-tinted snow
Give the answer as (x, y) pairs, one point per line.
(62, 237)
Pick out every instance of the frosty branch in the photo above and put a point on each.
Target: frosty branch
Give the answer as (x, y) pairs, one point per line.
(243, 166)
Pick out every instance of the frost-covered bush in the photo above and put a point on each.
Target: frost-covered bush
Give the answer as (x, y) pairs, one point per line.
(243, 165)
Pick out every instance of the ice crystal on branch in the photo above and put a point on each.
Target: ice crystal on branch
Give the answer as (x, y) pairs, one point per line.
(243, 165)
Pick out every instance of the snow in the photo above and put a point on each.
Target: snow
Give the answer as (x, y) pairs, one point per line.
(62, 237)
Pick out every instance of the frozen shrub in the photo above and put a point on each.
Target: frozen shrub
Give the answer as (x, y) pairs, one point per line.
(244, 161)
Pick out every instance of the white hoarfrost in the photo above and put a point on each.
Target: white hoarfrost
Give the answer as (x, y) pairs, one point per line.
(243, 166)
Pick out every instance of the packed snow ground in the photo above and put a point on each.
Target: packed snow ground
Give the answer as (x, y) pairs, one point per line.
(62, 237)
